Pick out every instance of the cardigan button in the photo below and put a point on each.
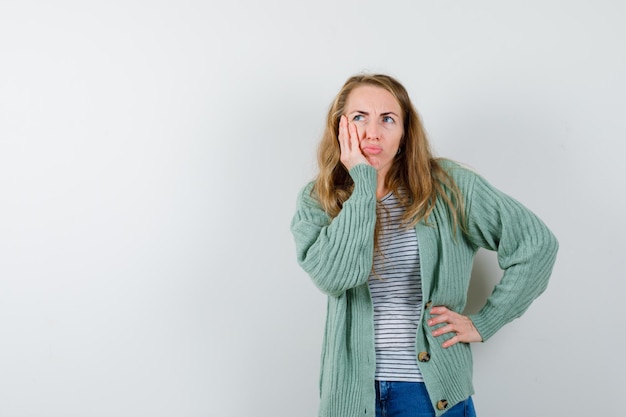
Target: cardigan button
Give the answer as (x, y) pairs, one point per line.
(423, 356)
(428, 304)
(442, 404)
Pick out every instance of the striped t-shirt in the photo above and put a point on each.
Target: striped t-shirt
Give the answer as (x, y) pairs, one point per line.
(395, 286)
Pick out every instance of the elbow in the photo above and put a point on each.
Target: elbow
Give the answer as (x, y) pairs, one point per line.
(334, 282)
(544, 247)
(552, 247)
(329, 291)
(334, 274)
(549, 252)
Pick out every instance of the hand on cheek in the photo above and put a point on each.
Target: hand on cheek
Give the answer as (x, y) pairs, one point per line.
(349, 144)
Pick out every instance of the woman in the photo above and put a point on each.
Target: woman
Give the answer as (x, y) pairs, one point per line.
(389, 233)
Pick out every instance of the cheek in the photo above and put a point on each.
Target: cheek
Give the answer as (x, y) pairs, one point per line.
(394, 133)
(398, 140)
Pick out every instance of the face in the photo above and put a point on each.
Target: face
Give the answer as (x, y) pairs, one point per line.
(378, 118)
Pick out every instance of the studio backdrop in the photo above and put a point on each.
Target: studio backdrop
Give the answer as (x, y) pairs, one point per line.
(151, 153)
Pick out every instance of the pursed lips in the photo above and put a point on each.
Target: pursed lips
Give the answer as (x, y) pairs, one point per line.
(371, 149)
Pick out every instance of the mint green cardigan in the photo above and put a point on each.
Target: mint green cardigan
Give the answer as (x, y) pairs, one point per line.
(338, 253)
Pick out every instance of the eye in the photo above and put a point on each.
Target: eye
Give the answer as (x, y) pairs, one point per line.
(357, 118)
(388, 119)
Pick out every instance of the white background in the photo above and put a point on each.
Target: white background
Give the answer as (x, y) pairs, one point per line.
(150, 157)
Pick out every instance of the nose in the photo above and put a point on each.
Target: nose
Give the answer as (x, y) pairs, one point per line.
(372, 131)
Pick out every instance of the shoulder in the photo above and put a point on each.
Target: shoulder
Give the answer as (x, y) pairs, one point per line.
(455, 168)
(307, 190)
(307, 193)
(463, 175)
(307, 196)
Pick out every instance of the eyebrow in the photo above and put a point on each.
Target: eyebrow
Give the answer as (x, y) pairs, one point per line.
(387, 113)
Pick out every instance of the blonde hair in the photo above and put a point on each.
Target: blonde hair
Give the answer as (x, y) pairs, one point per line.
(415, 170)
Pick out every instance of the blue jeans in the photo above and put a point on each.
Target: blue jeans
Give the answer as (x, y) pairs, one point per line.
(410, 399)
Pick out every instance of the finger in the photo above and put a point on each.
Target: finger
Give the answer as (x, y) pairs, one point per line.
(443, 330)
(439, 310)
(451, 342)
(343, 134)
(442, 318)
(349, 137)
(354, 136)
(442, 315)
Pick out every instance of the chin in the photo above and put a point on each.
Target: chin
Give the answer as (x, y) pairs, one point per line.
(373, 162)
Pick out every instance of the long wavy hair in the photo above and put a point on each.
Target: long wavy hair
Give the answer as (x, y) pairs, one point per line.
(415, 177)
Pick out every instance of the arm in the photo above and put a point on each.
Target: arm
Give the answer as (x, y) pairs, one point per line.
(526, 251)
(338, 254)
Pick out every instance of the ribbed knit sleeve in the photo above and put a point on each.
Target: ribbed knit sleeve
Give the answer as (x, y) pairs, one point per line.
(337, 254)
(525, 247)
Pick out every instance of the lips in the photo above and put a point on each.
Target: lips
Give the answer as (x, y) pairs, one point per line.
(371, 149)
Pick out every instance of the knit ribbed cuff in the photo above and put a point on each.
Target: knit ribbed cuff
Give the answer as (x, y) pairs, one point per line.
(365, 178)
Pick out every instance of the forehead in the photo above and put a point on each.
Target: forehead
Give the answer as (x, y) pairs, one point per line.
(369, 97)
